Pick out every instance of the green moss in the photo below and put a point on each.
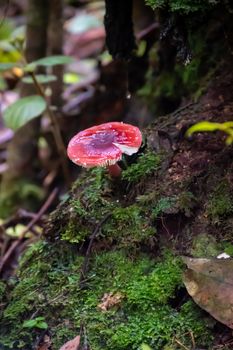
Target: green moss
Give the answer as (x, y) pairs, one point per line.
(165, 88)
(48, 285)
(146, 165)
(186, 202)
(48, 282)
(228, 248)
(149, 328)
(220, 202)
(206, 246)
(90, 206)
(74, 233)
(183, 6)
(129, 226)
(2, 290)
(183, 203)
(183, 80)
(156, 287)
(162, 205)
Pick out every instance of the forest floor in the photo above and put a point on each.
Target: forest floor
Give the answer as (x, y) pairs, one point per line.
(109, 266)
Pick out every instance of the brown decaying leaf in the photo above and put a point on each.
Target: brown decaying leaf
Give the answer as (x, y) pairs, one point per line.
(210, 284)
(72, 344)
(109, 300)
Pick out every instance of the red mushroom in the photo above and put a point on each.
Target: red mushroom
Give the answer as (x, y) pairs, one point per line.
(103, 145)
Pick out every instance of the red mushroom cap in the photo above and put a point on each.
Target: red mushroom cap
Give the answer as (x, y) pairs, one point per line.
(104, 144)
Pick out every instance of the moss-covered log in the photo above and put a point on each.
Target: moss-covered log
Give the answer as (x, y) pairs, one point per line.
(173, 192)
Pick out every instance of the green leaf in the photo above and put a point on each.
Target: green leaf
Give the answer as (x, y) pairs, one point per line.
(39, 318)
(6, 29)
(49, 61)
(7, 66)
(38, 322)
(208, 126)
(227, 125)
(41, 78)
(229, 140)
(29, 323)
(6, 46)
(82, 22)
(71, 78)
(19, 33)
(23, 110)
(145, 347)
(3, 85)
(42, 325)
(203, 126)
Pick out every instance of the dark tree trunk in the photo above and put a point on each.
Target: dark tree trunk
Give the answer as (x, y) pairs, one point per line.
(55, 40)
(118, 22)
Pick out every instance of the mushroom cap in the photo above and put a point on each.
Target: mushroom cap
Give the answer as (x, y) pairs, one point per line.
(104, 144)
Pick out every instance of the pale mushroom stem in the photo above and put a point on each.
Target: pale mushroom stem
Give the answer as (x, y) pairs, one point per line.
(114, 170)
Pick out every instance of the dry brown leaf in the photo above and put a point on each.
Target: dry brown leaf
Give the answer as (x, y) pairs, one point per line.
(210, 284)
(109, 300)
(72, 344)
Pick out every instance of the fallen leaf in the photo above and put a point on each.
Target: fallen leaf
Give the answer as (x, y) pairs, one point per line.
(72, 344)
(210, 284)
(109, 300)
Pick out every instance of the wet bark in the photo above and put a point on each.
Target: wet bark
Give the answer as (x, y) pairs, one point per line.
(118, 22)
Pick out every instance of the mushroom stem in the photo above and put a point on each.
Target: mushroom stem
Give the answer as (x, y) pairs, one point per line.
(114, 170)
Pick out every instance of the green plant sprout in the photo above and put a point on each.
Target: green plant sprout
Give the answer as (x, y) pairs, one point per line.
(38, 322)
(206, 126)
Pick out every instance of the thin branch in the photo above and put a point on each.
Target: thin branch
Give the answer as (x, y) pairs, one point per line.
(181, 344)
(192, 339)
(38, 216)
(88, 252)
(56, 130)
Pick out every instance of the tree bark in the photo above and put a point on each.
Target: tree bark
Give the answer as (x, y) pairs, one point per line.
(55, 40)
(118, 22)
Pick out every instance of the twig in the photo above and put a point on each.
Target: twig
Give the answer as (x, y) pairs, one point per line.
(5, 12)
(83, 338)
(88, 252)
(41, 212)
(187, 106)
(165, 227)
(144, 33)
(20, 216)
(85, 343)
(56, 130)
(180, 344)
(192, 339)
